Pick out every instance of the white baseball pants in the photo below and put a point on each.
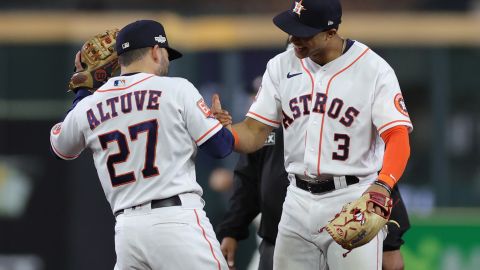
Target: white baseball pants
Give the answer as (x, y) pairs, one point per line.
(176, 237)
(299, 243)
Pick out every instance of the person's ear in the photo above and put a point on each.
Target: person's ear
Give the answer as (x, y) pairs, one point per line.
(156, 54)
(331, 33)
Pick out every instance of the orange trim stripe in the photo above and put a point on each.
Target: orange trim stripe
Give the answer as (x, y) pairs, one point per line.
(404, 121)
(235, 138)
(266, 119)
(310, 75)
(60, 154)
(326, 93)
(208, 241)
(206, 133)
(123, 88)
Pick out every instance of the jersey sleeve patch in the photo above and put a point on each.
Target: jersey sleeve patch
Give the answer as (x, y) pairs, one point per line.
(57, 129)
(400, 104)
(203, 107)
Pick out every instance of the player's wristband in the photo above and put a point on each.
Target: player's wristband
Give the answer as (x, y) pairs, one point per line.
(236, 141)
(384, 185)
(387, 179)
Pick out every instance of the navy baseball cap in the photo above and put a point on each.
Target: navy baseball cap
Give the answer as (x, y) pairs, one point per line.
(306, 18)
(142, 34)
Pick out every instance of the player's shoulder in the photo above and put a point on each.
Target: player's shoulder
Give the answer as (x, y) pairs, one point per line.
(182, 85)
(372, 58)
(168, 79)
(172, 82)
(287, 56)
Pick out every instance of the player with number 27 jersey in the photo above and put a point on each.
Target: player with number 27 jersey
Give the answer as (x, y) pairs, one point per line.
(167, 116)
(341, 107)
(144, 128)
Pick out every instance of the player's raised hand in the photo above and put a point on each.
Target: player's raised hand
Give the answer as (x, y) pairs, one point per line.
(224, 118)
(78, 66)
(78, 62)
(221, 115)
(216, 104)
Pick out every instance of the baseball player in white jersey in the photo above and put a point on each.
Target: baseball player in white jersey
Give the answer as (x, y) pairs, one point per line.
(143, 129)
(344, 120)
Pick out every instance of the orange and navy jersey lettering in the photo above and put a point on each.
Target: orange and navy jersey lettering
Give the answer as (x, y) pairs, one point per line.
(110, 108)
(332, 114)
(301, 106)
(143, 131)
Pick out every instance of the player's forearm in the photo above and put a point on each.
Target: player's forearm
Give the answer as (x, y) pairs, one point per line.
(250, 135)
(397, 153)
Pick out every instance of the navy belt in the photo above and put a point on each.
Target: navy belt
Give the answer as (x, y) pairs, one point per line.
(324, 185)
(167, 202)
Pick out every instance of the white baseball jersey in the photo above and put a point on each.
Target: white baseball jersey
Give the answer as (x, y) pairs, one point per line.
(143, 131)
(332, 115)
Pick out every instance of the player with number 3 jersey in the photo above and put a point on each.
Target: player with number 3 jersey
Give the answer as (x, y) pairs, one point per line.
(344, 120)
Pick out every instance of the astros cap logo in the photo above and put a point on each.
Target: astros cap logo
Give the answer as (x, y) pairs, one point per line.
(298, 8)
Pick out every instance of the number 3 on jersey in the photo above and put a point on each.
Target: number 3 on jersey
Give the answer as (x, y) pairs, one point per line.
(149, 169)
(343, 146)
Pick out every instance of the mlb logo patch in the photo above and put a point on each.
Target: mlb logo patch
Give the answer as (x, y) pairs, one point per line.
(118, 83)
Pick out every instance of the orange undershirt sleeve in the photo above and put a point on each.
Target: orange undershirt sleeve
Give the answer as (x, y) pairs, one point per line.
(397, 152)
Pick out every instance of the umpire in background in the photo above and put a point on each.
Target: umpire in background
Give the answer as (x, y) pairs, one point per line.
(260, 186)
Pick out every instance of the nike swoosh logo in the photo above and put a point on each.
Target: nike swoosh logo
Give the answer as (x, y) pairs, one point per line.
(292, 75)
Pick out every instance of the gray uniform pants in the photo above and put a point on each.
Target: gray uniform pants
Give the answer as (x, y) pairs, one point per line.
(266, 255)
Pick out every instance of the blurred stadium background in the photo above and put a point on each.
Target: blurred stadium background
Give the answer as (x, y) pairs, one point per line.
(53, 214)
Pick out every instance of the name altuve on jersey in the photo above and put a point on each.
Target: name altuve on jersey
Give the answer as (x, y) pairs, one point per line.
(334, 110)
(111, 107)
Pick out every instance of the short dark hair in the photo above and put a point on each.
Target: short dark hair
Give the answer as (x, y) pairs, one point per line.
(129, 57)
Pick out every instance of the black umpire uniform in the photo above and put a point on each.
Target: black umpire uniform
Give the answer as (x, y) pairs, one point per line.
(260, 187)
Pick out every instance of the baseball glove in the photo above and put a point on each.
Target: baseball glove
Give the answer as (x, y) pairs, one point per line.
(355, 226)
(99, 61)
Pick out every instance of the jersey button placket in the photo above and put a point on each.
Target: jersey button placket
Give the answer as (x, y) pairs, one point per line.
(312, 141)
